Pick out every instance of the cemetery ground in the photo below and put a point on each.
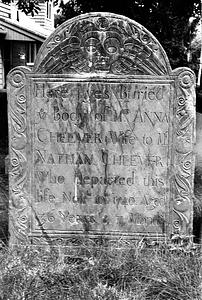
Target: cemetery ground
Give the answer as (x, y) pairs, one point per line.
(104, 273)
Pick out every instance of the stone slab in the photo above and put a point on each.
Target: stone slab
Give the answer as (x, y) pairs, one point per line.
(100, 147)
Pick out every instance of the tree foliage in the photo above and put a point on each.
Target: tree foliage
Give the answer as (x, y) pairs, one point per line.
(168, 20)
(27, 6)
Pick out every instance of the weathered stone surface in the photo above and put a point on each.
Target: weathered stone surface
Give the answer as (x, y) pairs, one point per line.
(101, 136)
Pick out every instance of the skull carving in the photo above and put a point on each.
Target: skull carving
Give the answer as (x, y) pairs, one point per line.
(102, 49)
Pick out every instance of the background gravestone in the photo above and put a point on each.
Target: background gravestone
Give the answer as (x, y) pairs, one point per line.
(101, 136)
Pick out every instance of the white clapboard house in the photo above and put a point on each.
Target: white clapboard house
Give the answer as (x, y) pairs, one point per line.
(20, 39)
(21, 36)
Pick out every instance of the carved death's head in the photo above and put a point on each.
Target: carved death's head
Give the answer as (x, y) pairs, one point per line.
(102, 46)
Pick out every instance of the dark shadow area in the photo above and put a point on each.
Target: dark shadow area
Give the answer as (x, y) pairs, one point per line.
(197, 223)
(4, 199)
(197, 230)
(199, 99)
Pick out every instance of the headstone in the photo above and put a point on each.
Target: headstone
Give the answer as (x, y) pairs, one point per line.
(101, 137)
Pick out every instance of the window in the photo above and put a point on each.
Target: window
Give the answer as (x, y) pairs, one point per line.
(31, 53)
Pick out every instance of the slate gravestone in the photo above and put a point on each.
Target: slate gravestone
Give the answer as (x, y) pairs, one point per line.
(101, 136)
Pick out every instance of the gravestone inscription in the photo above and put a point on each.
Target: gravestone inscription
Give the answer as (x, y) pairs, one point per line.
(101, 136)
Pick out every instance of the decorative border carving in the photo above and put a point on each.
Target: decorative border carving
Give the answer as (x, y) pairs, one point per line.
(78, 240)
(183, 156)
(18, 146)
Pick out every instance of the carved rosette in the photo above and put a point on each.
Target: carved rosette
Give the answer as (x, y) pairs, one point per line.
(183, 156)
(18, 147)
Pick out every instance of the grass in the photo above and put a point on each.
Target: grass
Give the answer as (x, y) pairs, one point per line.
(105, 273)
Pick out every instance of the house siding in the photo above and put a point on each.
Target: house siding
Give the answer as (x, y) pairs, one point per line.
(5, 11)
(41, 17)
(14, 35)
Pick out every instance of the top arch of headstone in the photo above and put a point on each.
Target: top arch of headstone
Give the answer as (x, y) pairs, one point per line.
(102, 43)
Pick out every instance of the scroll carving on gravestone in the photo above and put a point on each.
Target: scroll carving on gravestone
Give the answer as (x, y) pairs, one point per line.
(101, 136)
(184, 139)
(18, 152)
